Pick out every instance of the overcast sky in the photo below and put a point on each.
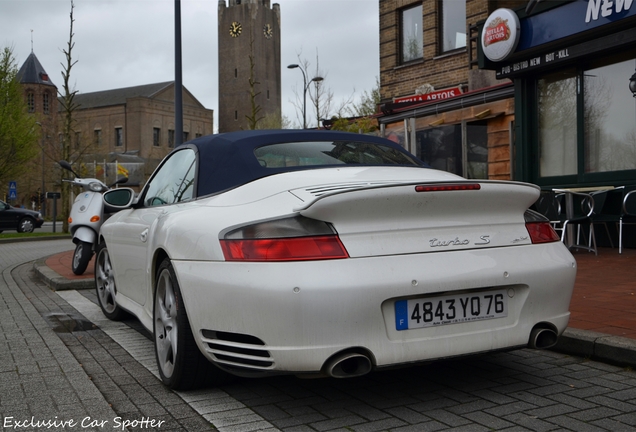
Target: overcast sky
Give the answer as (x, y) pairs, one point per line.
(123, 43)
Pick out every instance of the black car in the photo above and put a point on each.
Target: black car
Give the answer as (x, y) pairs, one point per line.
(22, 220)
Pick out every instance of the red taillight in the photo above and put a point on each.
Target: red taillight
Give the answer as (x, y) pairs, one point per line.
(284, 249)
(447, 187)
(541, 232)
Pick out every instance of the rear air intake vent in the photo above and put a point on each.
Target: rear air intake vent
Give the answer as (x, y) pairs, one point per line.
(236, 349)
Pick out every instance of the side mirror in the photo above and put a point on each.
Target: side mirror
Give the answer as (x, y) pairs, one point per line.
(118, 199)
(67, 166)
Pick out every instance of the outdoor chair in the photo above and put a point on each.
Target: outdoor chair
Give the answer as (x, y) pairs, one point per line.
(580, 208)
(619, 209)
(550, 205)
(628, 214)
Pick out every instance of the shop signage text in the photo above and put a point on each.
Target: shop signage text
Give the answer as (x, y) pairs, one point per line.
(572, 18)
(606, 8)
(501, 34)
(434, 95)
(534, 62)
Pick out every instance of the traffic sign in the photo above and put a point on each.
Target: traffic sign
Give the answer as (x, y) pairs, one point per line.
(13, 194)
(13, 185)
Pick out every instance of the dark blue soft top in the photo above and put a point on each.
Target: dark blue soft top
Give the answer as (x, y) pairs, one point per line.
(228, 160)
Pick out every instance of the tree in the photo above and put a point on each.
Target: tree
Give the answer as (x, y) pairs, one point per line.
(18, 129)
(254, 118)
(273, 121)
(369, 102)
(320, 96)
(357, 117)
(68, 108)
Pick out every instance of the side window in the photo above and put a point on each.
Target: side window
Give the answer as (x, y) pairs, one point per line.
(174, 182)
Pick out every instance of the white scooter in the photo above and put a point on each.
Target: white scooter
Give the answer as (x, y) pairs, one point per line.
(87, 216)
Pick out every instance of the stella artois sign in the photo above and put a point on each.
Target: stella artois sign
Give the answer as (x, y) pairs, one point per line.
(497, 31)
(500, 35)
(430, 96)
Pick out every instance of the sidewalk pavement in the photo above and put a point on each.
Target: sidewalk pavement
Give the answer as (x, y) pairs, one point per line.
(603, 308)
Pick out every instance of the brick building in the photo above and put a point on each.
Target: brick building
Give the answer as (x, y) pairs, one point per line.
(435, 100)
(132, 127)
(135, 125)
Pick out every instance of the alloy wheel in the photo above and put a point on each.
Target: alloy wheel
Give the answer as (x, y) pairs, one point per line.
(105, 282)
(166, 326)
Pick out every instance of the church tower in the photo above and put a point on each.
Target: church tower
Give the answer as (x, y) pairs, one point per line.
(248, 28)
(40, 93)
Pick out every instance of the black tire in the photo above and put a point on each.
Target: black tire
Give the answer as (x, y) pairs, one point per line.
(105, 285)
(181, 365)
(81, 257)
(26, 225)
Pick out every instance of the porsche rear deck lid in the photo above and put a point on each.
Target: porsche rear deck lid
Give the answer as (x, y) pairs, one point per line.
(312, 194)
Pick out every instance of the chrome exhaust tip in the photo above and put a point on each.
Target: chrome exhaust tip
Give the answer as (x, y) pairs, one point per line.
(543, 338)
(348, 365)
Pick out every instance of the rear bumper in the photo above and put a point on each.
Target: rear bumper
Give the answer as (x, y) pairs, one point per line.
(297, 315)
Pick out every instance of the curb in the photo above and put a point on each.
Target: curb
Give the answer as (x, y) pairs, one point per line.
(616, 350)
(57, 282)
(28, 239)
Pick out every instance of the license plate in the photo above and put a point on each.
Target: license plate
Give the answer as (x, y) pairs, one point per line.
(450, 309)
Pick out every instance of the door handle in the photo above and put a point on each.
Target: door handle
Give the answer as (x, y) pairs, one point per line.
(144, 235)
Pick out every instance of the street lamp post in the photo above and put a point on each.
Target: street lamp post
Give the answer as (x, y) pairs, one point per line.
(42, 190)
(305, 87)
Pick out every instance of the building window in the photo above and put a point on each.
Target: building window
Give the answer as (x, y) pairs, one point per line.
(185, 136)
(583, 135)
(198, 135)
(170, 138)
(77, 139)
(557, 124)
(235, 115)
(97, 137)
(45, 103)
(453, 25)
(31, 102)
(156, 137)
(608, 113)
(460, 149)
(119, 137)
(411, 34)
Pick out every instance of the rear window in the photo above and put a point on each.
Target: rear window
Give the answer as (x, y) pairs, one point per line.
(330, 153)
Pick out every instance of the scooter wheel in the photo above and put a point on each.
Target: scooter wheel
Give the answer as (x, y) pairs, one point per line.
(81, 257)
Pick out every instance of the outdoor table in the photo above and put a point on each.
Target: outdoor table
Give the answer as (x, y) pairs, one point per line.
(569, 206)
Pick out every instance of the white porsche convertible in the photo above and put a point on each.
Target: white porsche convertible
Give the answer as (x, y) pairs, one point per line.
(326, 253)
